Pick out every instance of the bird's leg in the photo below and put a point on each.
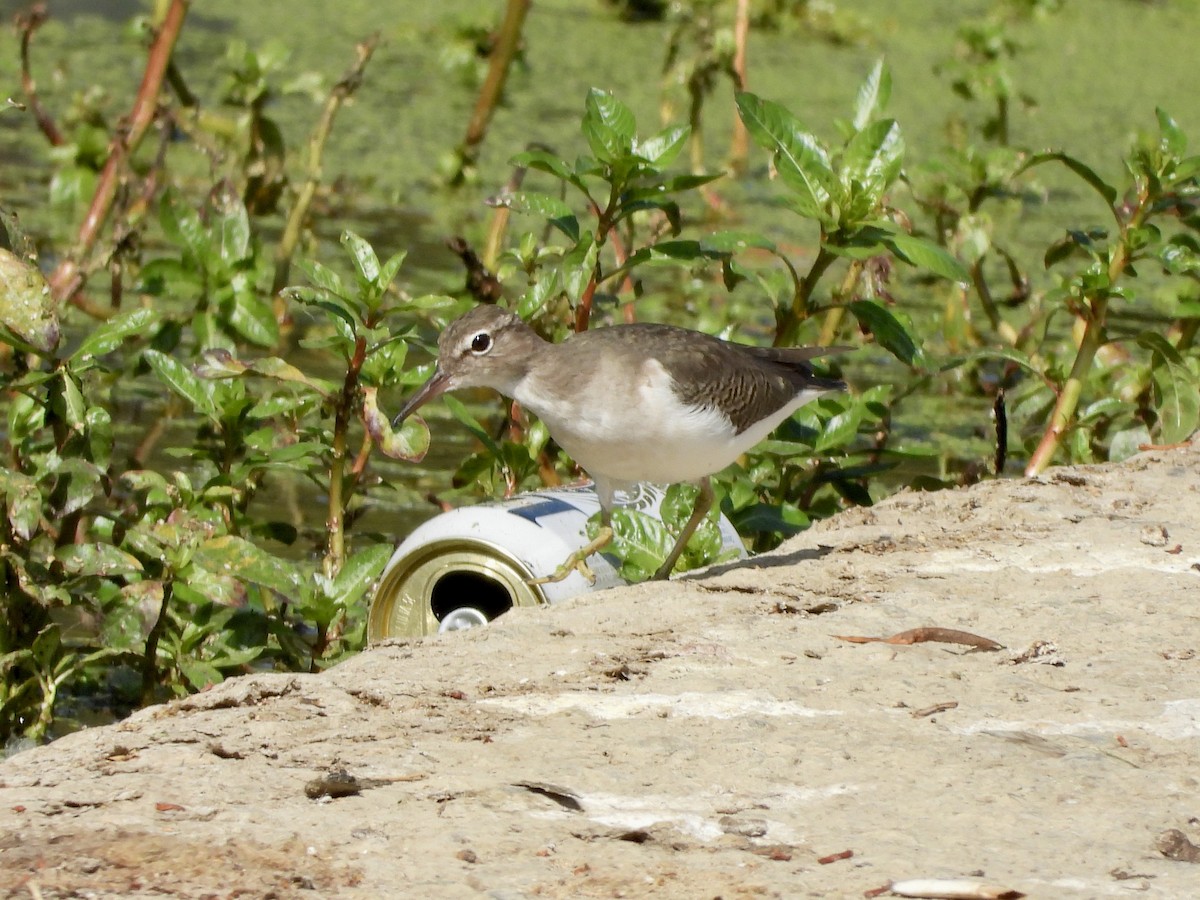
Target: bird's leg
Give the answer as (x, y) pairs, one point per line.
(704, 502)
(577, 561)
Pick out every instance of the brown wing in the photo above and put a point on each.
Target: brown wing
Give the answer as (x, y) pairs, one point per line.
(746, 383)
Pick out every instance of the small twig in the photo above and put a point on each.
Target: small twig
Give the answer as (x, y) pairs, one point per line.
(342, 91)
(1001, 416)
(934, 710)
(481, 283)
(835, 857)
(1178, 445)
(921, 635)
(150, 656)
(27, 23)
(984, 292)
(180, 87)
(956, 888)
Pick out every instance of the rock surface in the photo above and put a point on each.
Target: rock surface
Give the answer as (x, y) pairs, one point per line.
(708, 737)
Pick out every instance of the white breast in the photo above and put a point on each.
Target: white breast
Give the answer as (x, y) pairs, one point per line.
(633, 429)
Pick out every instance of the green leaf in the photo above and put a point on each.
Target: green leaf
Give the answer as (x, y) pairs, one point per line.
(785, 449)
(1174, 141)
(27, 307)
(217, 362)
(183, 227)
(108, 336)
(236, 557)
(542, 161)
(273, 367)
(199, 673)
(359, 571)
(678, 504)
(673, 252)
(558, 212)
(170, 277)
(388, 273)
(873, 158)
(766, 518)
(640, 541)
(123, 627)
(608, 126)
(1178, 258)
(736, 241)
(672, 185)
(410, 443)
(340, 309)
(538, 294)
(1127, 443)
(661, 149)
(579, 266)
(802, 162)
(233, 234)
(322, 277)
(253, 318)
(838, 430)
(74, 407)
(1105, 190)
(363, 255)
(890, 332)
(459, 410)
(144, 480)
(1069, 245)
(873, 95)
(23, 501)
(182, 381)
(1186, 169)
(926, 255)
(1012, 355)
(1176, 389)
(101, 560)
(78, 482)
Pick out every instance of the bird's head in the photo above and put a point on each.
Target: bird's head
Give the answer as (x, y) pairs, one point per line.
(486, 347)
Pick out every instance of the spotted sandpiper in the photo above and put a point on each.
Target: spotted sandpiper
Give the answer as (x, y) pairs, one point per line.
(631, 403)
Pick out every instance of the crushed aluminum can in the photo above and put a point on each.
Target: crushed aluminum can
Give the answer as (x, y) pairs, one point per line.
(465, 567)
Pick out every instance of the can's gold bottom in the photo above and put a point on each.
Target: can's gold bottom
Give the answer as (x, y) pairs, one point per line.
(444, 577)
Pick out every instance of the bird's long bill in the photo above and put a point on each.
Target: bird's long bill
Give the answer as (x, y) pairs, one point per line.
(430, 390)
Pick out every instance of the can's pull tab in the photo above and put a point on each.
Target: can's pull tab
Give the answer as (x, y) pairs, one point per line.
(461, 619)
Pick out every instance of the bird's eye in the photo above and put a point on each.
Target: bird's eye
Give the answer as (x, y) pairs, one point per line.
(481, 343)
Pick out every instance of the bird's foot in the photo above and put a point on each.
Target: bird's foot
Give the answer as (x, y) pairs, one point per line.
(570, 565)
(577, 561)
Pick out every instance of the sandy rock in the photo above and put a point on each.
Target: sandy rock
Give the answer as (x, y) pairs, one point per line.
(706, 737)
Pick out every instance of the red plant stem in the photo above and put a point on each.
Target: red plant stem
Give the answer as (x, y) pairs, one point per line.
(584, 312)
(68, 277)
